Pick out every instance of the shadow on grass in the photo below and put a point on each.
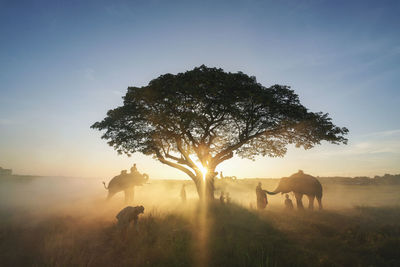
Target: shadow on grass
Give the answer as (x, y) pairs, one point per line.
(239, 237)
(364, 236)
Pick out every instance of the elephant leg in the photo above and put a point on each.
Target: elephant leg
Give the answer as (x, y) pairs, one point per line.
(298, 197)
(319, 199)
(311, 202)
(129, 195)
(132, 194)
(126, 196)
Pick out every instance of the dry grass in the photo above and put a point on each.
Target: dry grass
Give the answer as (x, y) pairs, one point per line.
(364, 236)
(83, 232)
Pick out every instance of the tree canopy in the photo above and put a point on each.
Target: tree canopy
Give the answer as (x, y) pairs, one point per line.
(205, 116)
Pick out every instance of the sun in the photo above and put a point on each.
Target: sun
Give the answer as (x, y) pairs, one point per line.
(203, 170)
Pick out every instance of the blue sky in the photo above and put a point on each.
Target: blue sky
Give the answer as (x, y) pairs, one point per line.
(63, 64)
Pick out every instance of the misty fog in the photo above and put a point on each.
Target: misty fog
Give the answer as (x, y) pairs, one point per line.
(86, 196)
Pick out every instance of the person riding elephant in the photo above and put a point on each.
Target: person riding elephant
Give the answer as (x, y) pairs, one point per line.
(301, 184)
(134, 170)
(126, 182)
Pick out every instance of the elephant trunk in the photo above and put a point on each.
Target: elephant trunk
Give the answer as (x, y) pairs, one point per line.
(272, 193)
(276, 191)
(105, 185)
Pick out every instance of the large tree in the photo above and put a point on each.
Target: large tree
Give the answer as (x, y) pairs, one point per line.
(195, 120)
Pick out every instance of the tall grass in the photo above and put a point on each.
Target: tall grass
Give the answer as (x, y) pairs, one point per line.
(364, 236)
(66, 222)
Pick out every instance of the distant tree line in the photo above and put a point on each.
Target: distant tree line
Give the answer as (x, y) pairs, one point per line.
(387, 179)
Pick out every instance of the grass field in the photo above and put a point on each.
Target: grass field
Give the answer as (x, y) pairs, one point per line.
(61, 222)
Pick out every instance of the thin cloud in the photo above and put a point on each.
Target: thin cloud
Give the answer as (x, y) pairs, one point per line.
(383, 133)
(372, 143)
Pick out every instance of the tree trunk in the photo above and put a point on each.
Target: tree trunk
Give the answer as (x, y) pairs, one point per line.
(207, 185)
(210, 187)
(199, 187)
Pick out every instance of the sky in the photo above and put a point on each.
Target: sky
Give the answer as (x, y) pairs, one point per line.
(64, 64)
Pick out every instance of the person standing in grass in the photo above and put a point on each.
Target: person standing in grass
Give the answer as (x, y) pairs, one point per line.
(261, 195)
(183, 193)
(288, 203)
(222, 198)
(228, 198)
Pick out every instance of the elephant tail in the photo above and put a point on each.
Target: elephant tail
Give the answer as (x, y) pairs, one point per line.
(105, 185)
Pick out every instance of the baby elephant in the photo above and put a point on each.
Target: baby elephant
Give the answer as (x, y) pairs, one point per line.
(127, 215)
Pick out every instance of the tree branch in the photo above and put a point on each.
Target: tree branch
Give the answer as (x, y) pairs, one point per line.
(178, 160)
(220, 157)
(188, 160)
(226, 157)
(177, 166)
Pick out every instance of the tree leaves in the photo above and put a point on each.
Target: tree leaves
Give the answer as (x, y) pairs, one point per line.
(207, 114)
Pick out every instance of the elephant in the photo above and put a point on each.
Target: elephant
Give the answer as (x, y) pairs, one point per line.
(125, 182)
(301, 184)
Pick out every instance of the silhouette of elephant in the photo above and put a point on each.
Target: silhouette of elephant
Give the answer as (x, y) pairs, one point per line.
(301, 184)
(125, 182)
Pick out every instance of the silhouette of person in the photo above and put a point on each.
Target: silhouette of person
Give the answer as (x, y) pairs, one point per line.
(288, 203)
(134, 169)
(265, 199)
(228, 198)
(261, 195)
(124, 173)
(222, 198)
(127, 215)
(221, 176)
(183, 193)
